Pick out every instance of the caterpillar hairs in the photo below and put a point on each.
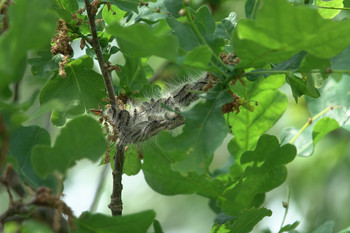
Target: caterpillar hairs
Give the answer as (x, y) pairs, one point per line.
(139, 123)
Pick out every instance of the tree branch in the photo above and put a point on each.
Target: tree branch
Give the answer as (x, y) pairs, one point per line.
(106, 74)
(116, 204)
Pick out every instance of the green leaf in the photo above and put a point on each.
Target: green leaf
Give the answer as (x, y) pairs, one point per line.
(198, 58)
(35, 226)
(255, 55)
(289, 227)
(347, 230)
(251, 7)
(99, 223)
(204, 131)
(332, 94)
(126, 5)
(205, 23)
(226, 26)
(329, 13)
(248, 126)
(140, 40)
(265, 171)
(163, 179)
(28, 29)
(342, 60)
(113, 15)
(244, 223)
(132, 163)
(69, 5)
(183, 31)
(166, 8)
(292, 64)
(327, 227)
(45, 65)
(157, 227)
(80, 138)
(132, 76)
(79, 91)
(301, 86)
(308, 139)
(317, 36)
(22, 140)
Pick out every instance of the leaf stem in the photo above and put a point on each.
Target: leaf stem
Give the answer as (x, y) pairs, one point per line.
(202, 40)
(106, 74)
(309, 122)
(286, 206)
(333, 8)
(298, 71)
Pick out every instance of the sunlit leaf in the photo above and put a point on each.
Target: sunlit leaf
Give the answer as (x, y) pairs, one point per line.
(248, 126)
(113, 15)
(329, 13)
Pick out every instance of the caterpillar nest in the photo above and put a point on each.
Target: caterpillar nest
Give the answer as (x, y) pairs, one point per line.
(139, 123)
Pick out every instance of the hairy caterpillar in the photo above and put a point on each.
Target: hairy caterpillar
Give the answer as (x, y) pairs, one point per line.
(140, 123)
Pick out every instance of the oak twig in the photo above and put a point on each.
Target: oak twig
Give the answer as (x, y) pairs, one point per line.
(106, 74)
(116, 204)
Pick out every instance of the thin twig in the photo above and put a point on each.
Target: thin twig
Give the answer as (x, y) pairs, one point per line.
(5, 141)
(100, 184)
(311, 120)
(286, 206)
(97, 48)
(116, 204)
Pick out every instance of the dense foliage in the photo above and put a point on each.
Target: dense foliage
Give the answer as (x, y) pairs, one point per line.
(302, 44)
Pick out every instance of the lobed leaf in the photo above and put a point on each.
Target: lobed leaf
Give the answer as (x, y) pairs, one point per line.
(80, 138)
(265, 171)
(81, 90)
(22, 141)
(280, 29)
(163, 179)
(244, 223)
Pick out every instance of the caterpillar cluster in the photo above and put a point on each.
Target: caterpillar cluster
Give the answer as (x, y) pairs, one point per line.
(139, 123)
